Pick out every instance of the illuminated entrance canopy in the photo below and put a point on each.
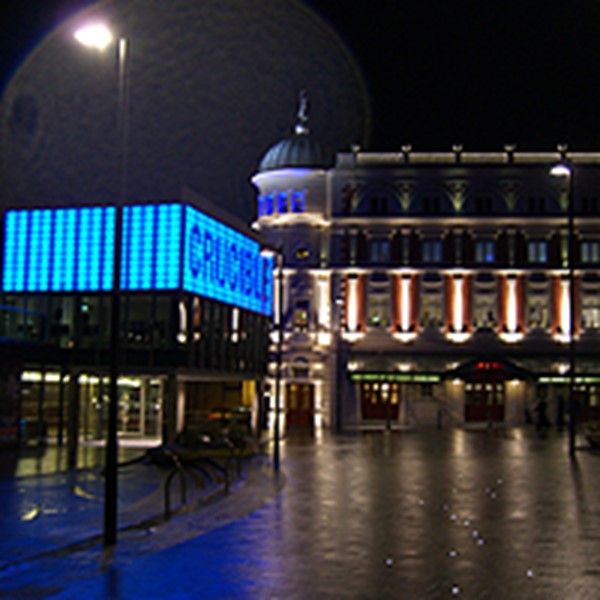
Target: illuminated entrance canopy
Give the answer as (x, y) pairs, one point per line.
(168, 246)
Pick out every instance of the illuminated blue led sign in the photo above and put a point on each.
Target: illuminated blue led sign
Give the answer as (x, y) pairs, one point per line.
(151, 247)
(59, 250)
(163, 247)
(225, 265)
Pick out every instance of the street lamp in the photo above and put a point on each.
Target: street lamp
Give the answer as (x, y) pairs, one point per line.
(279, 329)
(100, 37)
(565, 170)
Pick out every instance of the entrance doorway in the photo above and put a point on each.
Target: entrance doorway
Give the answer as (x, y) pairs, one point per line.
(587, 398)
(300, 406)
(380, 400)
(484, 401)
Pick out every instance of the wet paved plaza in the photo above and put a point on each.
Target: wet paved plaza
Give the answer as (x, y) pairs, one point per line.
(452, 514)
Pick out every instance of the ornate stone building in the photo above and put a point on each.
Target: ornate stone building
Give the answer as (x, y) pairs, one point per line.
(432, 287)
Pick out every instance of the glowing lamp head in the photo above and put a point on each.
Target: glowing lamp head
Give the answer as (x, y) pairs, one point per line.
(96, 35)
(560, 170)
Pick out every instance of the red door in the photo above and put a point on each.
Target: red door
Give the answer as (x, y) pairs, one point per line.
(484, 401)
(380, 400)
(300, 406)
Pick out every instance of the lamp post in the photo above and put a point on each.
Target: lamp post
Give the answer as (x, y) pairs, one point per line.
(565, 170)
(279, 329)
(99, 37)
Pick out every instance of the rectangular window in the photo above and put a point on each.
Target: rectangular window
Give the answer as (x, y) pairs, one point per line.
(432, 251)
(269, 204)
(282, 203)
(537, 251)
(301, 315)
(378, 205)
(485, 251)
(590, 251)
(380, 251)
(299, 202)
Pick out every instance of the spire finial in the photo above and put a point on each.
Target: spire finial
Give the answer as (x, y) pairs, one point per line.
(302, 116)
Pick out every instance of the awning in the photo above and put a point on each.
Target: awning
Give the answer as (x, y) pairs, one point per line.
(488, 369)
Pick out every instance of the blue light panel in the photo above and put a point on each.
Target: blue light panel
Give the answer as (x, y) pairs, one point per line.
(225, 265)
(151, 247)
(58, 250)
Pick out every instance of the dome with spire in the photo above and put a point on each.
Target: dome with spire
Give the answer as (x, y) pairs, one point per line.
(298, 150)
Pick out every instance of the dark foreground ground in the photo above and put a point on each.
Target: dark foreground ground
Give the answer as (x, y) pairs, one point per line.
(435, 514)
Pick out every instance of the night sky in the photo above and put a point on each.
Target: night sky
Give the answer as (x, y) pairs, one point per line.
(478, 73)
(437, 73)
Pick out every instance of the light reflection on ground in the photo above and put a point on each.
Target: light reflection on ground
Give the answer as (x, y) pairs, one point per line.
(402, 515)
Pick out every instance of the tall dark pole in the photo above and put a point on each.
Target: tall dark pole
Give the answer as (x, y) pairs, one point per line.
(276, 432)
(571, 232)
(565, 170)
(112, 446)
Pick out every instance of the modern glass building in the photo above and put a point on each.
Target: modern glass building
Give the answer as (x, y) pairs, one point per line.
(195, 296)
(424, 288)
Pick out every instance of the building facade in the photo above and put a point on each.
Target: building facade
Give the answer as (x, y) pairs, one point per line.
(194, 298)
(423, 288)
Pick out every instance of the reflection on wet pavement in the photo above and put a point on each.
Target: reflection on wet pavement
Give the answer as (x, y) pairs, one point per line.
(404, 515)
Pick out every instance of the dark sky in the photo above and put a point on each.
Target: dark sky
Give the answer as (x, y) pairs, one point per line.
(472, 72)
(480, 73)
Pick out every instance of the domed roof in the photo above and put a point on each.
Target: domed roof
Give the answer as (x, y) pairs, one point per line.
(299, 150)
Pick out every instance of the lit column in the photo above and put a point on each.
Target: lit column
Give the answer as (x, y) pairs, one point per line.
(457, 309)
(324, 309)
(352, 304)
(511, 304)
(405, 307)
(566, 323)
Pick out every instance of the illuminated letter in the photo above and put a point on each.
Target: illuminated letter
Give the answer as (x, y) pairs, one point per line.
(208, 256)
(234, 266)
(194, 259)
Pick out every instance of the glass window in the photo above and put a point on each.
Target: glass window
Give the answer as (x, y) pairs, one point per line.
(378, 310)
(301, 315)
(269, 204)
(378, 204)
(299, 202)
(537, 251)
(380, 251)
(282, 203)
(432, 251)
(590, 251)
(485, 251)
